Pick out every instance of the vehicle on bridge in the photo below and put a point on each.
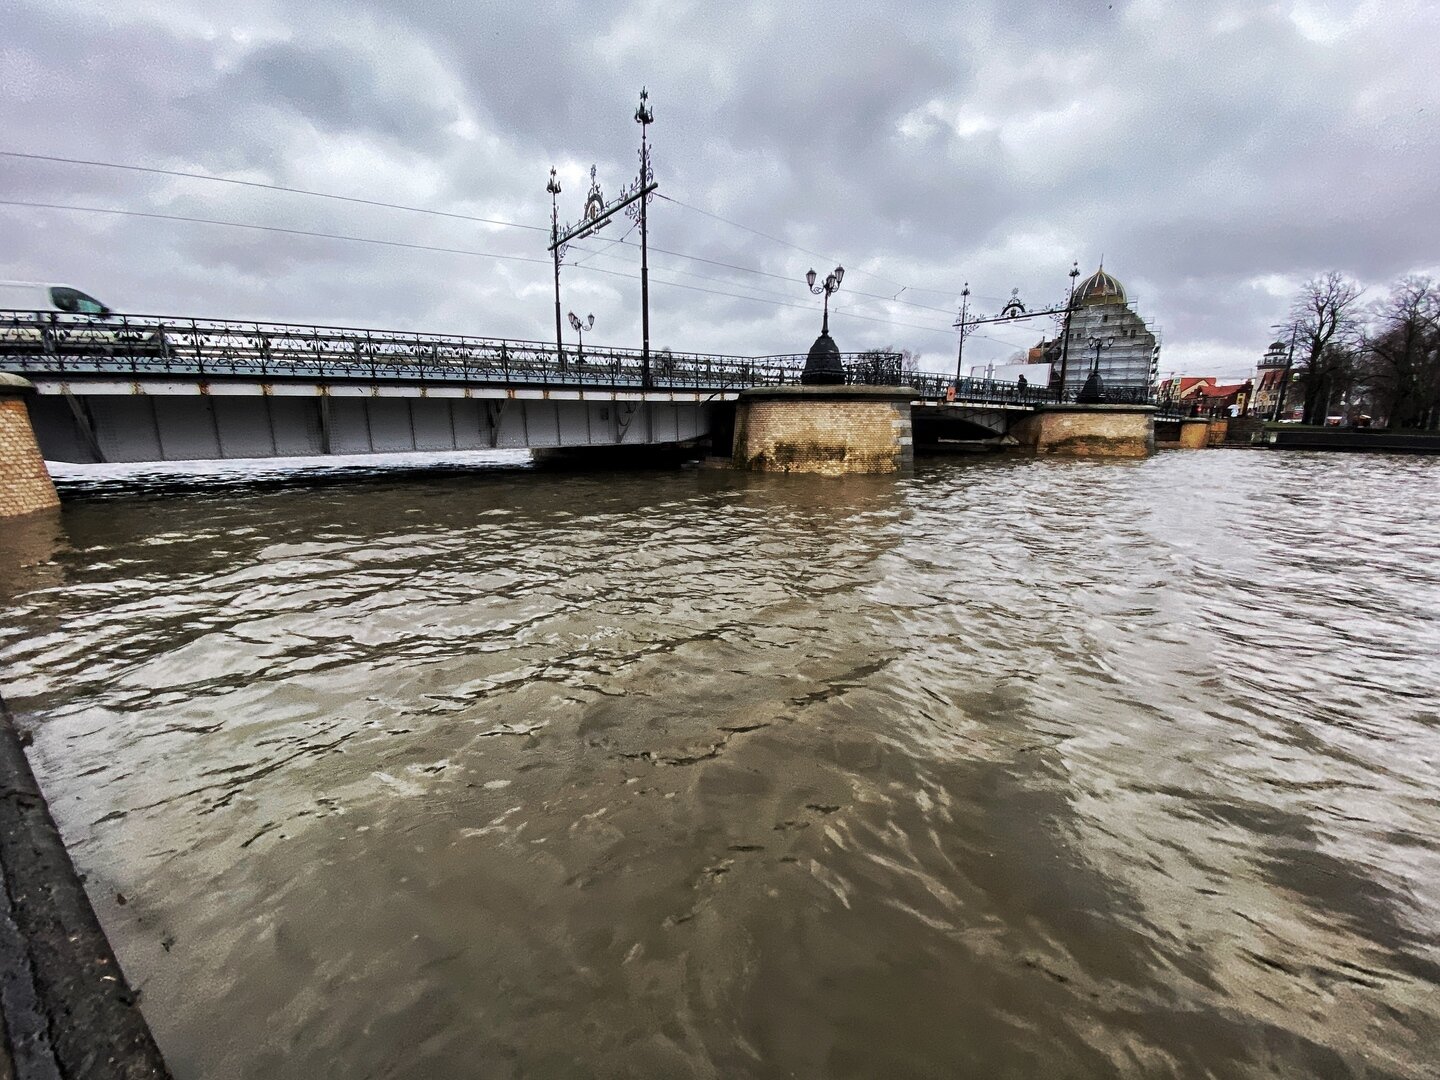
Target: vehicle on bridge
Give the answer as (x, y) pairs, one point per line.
(62, 320)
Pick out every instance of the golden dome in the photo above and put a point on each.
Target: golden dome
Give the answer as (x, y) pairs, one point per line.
(1100, 288)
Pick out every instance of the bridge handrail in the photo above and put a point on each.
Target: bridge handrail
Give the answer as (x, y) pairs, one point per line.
(58, 343)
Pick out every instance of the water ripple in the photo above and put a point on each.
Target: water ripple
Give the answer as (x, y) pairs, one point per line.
(1011, 767)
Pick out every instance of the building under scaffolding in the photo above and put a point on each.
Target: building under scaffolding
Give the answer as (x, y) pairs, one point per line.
(1129, 351)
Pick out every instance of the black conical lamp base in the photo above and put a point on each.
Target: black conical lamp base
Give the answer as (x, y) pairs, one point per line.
(823, 366)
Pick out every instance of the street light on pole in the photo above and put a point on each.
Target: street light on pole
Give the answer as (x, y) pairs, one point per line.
(644, 116)
(823, 367)
(830, 285)
(1065, 341)
(580, 328)
(553, 187)
(1093, 392)
(963, 325)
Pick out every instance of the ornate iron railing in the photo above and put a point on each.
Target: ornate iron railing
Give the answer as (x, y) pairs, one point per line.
(39, 343)
(44, 343)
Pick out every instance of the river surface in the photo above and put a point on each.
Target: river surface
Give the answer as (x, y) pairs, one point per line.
(1007, 768)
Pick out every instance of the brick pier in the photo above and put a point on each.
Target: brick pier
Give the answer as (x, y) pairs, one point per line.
(830, 430)
(25, 485)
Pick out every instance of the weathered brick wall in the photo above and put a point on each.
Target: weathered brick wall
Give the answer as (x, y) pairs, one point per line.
(25, 486)
(1088, 433)
(822, 436)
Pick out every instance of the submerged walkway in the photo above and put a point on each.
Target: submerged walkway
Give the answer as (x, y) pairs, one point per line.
(67, 1011)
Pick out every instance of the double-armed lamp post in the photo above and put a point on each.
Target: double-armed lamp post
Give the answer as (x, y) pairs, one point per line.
(597, 214)
(965, 326)
(1093, 392)
(830, 285)
(580, 328)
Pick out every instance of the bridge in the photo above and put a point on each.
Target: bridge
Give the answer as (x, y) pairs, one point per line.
(132, 388)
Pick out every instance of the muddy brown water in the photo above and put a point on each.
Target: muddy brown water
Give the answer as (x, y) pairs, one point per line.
(1008, 768)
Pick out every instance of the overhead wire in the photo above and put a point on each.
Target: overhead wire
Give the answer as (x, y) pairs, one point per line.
(192, 219)
(861, 270)
(772, 298)
(357, 200)
(268, 228)
(266, 187)
(261, 185)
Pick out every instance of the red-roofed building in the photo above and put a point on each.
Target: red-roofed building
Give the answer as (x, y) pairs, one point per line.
(1207, 397)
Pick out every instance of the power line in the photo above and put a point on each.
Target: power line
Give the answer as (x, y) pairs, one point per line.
(785, 243)
(601, 251)
(460, 251)
(777, 277)
(774, 303)
(268, 228)
(825, 258)
(156, 171)
(266, 187)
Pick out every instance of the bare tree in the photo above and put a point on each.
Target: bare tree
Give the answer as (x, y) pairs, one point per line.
(1324, 324)
(1402, 355)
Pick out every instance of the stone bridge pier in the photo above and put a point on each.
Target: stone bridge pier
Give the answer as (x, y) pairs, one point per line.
(25, 485)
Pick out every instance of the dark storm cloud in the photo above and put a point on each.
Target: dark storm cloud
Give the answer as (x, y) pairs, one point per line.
(336, 89)
(1217, 155)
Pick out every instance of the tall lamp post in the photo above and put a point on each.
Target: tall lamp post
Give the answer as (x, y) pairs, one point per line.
(580, 328)
(831, 284)
(553, 187)
(644, 116)
(823, 367)
(1093, 392)
(1065, 341)
(963, 325)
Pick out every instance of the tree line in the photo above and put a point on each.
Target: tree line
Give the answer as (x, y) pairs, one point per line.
(1382, 357)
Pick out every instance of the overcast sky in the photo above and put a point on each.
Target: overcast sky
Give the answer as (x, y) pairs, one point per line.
(1216, 155)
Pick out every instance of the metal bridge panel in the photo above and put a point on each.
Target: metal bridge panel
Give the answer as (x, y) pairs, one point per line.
(296, 423)
(349, 426)
(186, 427)
(390, 428)
(432, 424)
(543, 423)
(471, 430)
(570, 426)
(125, 428)
(57, 431)
(244, 427)
(512, 426)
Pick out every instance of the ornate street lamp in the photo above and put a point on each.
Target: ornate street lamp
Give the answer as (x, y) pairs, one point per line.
(580, 328)
(830, 285)
(1093, 392)
(823, 367)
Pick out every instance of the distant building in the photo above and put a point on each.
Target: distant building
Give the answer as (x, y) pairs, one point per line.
(1269, 376)
(1130, 351)
(1205, 397)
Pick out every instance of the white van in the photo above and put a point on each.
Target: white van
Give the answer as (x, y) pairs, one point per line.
(37, 296)
(38, 318)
